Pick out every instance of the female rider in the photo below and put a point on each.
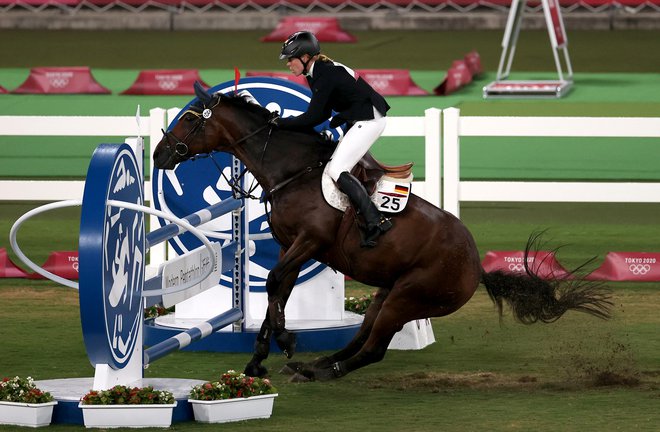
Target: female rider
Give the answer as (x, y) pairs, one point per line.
(335, 87)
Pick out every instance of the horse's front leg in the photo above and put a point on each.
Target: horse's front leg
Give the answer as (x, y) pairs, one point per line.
(279, 285)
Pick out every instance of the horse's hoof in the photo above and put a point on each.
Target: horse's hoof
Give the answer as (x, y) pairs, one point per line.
(299, 378)
(255, 370)
(291, 368)
(287, 343)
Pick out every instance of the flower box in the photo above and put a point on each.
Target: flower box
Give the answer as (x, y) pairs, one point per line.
(26, 414)
(230, 410)
(136, 416)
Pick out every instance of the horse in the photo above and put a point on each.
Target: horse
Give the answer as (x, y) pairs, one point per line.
(426, 266)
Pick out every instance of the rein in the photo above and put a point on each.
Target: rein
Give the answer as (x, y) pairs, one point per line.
(281, 185)
(181, 149)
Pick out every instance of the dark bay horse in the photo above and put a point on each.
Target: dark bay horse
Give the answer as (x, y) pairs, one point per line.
(427, 265)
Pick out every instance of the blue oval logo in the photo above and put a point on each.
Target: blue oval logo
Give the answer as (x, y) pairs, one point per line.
(112, 257)
(199, 183)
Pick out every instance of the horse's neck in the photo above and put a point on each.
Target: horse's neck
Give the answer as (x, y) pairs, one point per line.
(276, 158)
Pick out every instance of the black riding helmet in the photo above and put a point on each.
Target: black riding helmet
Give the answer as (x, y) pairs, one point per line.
(299, 44)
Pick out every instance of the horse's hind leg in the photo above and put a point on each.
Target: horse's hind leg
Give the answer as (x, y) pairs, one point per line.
(358, 340)
(397, 309)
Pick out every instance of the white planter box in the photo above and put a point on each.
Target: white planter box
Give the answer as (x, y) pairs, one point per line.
(230, 410)
(132, 416)
(24, 414)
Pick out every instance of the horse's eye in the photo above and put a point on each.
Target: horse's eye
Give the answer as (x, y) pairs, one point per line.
(190, 117)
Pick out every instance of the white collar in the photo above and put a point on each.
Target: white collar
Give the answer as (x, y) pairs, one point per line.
(311, 70)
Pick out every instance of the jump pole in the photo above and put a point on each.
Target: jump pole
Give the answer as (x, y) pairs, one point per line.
(198, 218)
(191, 335)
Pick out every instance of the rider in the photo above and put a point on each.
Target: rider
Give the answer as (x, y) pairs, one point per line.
(335, 87)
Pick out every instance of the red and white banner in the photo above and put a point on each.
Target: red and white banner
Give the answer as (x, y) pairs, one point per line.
(61, 263)
(629, 266)
(473, 62)
(458, 75)
(165, 82)
(391, 82)
(325, 29)
(61, 80)
(542, 263)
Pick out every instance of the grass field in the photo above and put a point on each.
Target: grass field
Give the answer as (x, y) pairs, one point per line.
(578, 374)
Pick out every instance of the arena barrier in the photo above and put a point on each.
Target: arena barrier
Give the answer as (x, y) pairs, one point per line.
(426, 126)
(74, 126)
(454, 190)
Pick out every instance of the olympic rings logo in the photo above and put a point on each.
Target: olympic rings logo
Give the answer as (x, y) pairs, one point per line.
(59, 82)
(168, 84)
(639, 269)
(517, 268)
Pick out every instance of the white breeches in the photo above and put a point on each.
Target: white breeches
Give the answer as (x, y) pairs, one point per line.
(357, 141)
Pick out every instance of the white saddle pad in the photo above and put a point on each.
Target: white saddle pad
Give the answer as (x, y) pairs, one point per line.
(391, 195)
(331, 192)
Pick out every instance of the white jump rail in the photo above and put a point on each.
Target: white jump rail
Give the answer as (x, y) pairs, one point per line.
(427, 126)
(91, 126)
(455, 190)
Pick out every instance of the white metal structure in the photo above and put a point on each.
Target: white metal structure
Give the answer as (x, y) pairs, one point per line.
(502, 87)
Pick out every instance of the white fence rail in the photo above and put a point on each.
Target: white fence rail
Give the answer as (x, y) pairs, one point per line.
(91, 126)
(96, 126)
(455, 190)
(438, 135)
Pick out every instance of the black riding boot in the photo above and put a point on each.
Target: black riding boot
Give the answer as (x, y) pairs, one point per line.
(376, 222)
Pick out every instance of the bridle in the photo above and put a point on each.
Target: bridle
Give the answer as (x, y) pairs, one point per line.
(182, 149)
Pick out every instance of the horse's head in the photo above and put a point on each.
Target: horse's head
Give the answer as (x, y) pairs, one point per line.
(206, 126)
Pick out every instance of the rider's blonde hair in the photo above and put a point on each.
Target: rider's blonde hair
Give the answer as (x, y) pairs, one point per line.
(325, 58)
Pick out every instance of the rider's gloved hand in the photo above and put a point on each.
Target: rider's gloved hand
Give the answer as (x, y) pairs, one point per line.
(337, 121)
(274, 119)
(327, 137)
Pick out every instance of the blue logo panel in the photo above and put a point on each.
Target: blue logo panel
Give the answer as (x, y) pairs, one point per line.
(112, 257)
(196, 184)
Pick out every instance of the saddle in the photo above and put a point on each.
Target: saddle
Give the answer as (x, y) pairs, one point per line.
(369, 171)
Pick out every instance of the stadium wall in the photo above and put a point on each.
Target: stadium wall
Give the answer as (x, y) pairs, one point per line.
(57, 19)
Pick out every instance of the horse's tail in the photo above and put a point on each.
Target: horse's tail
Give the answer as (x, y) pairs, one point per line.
(534, 299)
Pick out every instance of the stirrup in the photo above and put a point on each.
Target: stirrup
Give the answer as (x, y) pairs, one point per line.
(384, 224)
(371, 234)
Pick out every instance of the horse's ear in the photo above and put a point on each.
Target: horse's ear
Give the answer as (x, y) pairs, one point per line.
(201, 93)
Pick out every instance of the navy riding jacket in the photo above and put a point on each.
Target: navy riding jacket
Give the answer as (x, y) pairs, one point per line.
(335, 89)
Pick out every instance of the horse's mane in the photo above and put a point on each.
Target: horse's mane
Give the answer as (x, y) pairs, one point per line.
(246, 103)
(243, 101)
